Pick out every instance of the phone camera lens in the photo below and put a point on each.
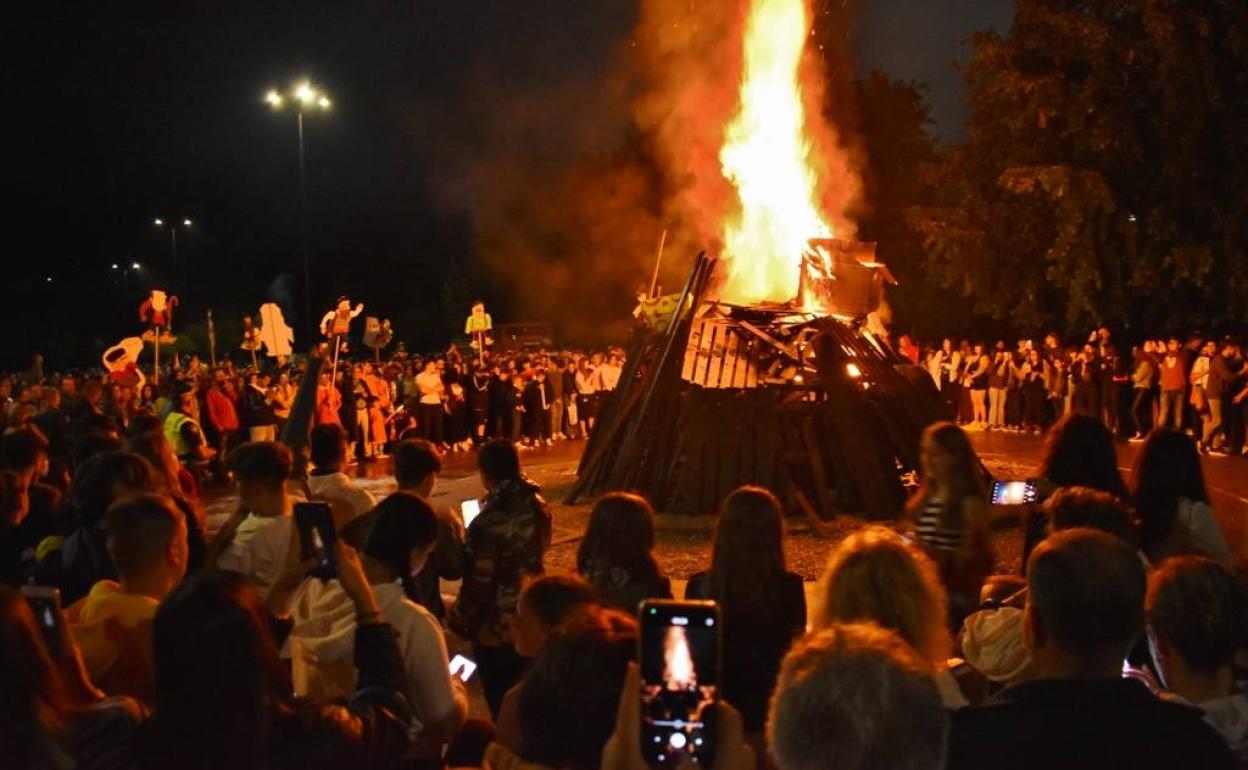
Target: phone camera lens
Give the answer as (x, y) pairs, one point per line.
(677, 740)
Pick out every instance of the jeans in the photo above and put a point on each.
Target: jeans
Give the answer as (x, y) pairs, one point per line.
(996, 407)
(1141, 409)
(1213, 421)
(1171, 409)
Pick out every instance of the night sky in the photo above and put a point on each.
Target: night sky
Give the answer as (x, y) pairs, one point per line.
(121, 112)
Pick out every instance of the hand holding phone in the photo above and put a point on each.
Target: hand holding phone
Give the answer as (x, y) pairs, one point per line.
(317, 536)
(45, 603)
(470, 509)
(679, 689)
(462, 668)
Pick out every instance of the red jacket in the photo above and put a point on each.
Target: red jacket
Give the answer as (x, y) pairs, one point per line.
(222, 415)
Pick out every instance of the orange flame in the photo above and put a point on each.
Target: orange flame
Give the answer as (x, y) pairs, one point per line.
(766, 157)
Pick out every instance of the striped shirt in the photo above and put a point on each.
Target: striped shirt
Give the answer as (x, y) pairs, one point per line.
(931, 533)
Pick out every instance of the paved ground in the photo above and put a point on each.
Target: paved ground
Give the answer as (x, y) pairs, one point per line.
(683, 552)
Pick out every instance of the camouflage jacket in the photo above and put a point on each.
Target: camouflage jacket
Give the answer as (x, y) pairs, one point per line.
(504, 545)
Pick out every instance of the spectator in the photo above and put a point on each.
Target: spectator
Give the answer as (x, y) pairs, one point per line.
(1084, 609)
(26, 453)
(184, 433)
(256, 409)
(950, 515)
(223, 698)
(328, 482)
(762, 603)
(14, 507)
(564, 719)
(505, 544)
(221, 416)
(874, 576)
(1172, 503)
(856, 696)
(616, 555)
(1197, 622)
(544, 605)
(1173, 381)
(1079, 452)
(255, 539)
(417, 464)
(394, 540)
(113, 623)
(1143, 381)
(432, 393)
(82, 559)
(50, 714)
(1219, 388)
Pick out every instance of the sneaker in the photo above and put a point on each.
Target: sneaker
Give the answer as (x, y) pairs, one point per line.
(1136, 439)
(1219, 452)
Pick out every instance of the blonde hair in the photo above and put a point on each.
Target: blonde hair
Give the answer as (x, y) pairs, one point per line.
(876, 576)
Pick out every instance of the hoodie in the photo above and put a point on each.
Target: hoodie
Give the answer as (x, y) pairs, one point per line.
(322, 648)
(114, 632)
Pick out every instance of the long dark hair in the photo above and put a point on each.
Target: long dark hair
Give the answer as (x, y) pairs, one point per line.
(620, 534)
(1166, 470)
(966, 479)
(219, 681)
(1080, 453)
(747, 559)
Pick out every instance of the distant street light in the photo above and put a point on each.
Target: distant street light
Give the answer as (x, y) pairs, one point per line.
(173, 240)
(304, 97)
(125, 274)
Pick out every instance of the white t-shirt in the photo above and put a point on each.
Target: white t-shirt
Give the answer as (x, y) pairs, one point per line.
(338, 487)
(258, 550)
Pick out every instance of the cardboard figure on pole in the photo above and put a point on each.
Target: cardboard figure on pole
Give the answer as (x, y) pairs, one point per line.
(277, 336)
(478, 326)
(157, 311)
(336, 324)
(122, 363)
(251, 340)
(377, 335)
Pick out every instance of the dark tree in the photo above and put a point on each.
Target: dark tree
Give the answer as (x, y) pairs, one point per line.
(1105, 174)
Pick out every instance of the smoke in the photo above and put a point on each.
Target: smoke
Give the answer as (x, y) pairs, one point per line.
(572, 157)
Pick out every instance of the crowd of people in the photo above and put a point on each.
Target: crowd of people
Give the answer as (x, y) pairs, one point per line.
(1121, 644)
(1198, 385)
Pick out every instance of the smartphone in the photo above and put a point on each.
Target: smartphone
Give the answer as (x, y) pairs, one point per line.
(46, 604)
(1013, 493)
(470, 509)
(463, 668)
(680, 664)
(315, 521)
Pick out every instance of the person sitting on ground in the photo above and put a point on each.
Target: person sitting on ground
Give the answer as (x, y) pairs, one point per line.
(328, 482)
(82, 559)
(255, 539)
(51, 716)
(564, 719)
(173, 480)
(394, 541)
(544, 605)
(616, 555)
(949, 513)
(223, 697)
(505, 545)
(1197, 623)
(875, 576)
(856, 696)
(113, 624)
(417, 464)
(1171, 500)
(762, 603)
(993, 639)
(1084, 610)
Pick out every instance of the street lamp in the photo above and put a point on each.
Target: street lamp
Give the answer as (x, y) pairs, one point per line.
(303, 97)
(172, 226)
(125, 271)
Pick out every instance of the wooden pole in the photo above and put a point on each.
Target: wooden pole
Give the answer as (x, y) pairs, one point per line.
(156, 367)
(333, 372)
(658, 260)
(212, 341)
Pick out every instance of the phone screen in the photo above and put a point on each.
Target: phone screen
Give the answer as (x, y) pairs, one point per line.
(470, 510)
(1013, 492)
(45, 603)
(316, 537)
(680, 659)
(463, 668)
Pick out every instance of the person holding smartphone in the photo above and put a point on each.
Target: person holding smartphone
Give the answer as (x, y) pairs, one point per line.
(505, 544)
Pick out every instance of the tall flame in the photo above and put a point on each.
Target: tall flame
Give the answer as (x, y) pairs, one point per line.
(766, 157)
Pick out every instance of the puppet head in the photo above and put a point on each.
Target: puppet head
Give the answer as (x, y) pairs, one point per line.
(159, 300)
(344, 305)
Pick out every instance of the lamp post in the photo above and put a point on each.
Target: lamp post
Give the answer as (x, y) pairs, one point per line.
(172, 226)
(303, 97)
(125, 270)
